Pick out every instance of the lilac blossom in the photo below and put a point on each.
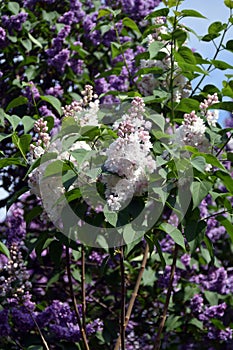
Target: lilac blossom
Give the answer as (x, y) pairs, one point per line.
(14, 22)
(31, 92)
(60, 60)
(2, 36)
(5, 329)
(192, 132)
(128, 157)
(56, 91)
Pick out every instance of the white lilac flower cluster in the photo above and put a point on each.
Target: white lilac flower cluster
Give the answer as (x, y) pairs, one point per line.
(43, 139)
(128, 158)
(148, 83)
(211, 116)
(85, 111)
(192, 131)
(37, 151)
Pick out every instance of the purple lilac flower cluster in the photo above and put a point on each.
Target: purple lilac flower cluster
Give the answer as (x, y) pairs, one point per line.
(137, 9)
(14, 22)
(206, 314)
(19, 315)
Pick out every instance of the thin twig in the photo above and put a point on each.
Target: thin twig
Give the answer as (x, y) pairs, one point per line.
(37, 326)
(134, 295)
(83, 289)
(168, 296)
(123, 292)
(83, 333)
(215, 214)
(215, 56)
(220, 150)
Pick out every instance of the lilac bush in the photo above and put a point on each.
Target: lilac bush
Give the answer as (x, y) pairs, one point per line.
(119, 229)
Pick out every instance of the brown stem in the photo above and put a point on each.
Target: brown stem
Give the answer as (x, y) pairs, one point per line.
(37, 326)
(83, 333)
(168, 296)
(123, 292)
(225, 144)
(134, 295)
(83, 289)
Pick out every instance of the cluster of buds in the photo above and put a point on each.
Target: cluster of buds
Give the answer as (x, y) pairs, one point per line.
(211, 116)
(15, 279)
(85, 110)
(43, 139)
(160, 29)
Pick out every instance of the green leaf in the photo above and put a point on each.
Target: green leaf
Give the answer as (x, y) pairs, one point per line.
(173, 322)
(161, 12)
(210, 37)
(31, 72)
(230, 156)
(80, 154)
(199, 191)
(110, 216)
(4, 162)
(4, 136)
(175, 234)
(56, 168)
(159, 251)
(187, 54)
(221, 64)
(35, 41)
(2, 116)
(226, 106)
(54, 102)
(28, 123)
(229, 45)
(196, 323)
(229, 3)
(158, 119)
(14, 120)
(154, 48)
(209, 246)
(49, 16)
(216, 27)
(4, 250)
(115, 49)
(33, 213)
(211, 159)
(194, 232)
(199, 163)
(23, 143)
(128, 22)
(148, 277)
(212, 297)
(226, 179)
(191, 13)
(18, 101)
(13, 7)
(73, 195)
(188, 105)
(27, 44)
(227, 224)
(103, 13)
